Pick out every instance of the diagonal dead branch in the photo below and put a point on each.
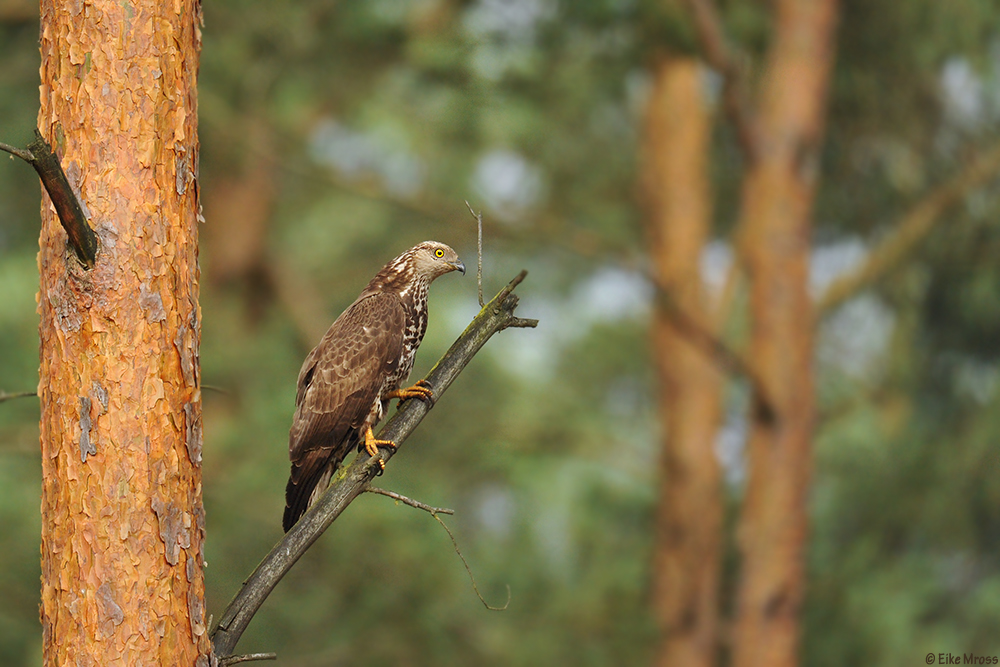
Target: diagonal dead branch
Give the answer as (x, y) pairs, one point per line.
(912, 229)
(351, 480)
(730, 360)
(723, 58)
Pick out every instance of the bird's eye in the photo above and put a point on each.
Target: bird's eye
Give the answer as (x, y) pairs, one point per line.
(439, 253)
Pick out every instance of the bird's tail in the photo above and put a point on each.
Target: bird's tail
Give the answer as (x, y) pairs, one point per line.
(300, 495)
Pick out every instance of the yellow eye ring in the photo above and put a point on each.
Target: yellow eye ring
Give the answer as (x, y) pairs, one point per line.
(439, 253)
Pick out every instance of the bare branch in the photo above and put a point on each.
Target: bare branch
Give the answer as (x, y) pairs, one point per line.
(409, 501)
(475, 587)
(514, 282)
(350, 481)
(247, 657)
(912, 229)
(22, 153)
(722, 58)
(479, 226)
(434, 511)
(4, 396)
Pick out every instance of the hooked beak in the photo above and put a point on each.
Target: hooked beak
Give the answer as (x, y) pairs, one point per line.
(458, 266)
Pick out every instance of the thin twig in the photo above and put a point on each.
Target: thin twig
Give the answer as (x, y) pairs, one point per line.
(911, 229)
(217, 389)
(721, 56)
(22, 153)
(246, 657)
(479, 225)
(434, 511)
(475, 587)
(408, 501)
(4, 396)
(351, 480)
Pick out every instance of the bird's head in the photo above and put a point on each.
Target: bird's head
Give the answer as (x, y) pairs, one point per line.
(432, 259)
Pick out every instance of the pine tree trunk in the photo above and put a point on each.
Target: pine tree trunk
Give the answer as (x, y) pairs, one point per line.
(777, 203)
(686, 562)
(122, 517)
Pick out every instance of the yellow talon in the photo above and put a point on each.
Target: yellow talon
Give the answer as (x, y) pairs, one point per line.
(371, 445)
(421, 390)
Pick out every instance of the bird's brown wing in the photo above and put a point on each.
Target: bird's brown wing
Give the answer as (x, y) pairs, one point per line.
(337, 388)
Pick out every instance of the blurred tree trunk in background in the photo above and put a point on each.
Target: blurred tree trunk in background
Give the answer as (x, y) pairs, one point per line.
(236, 247)
(240, 204)
(676, 142)
(122, 516)
(775, 237)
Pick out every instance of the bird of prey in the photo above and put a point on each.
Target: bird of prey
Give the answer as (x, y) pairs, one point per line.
(348, 379)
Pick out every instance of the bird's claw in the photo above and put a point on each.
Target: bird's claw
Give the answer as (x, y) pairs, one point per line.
(427, 389)
(372, 444)
(422, 390)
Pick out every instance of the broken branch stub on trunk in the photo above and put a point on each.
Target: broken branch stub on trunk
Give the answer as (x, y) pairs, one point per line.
(350, 481)
(46, 164)
(64, 199)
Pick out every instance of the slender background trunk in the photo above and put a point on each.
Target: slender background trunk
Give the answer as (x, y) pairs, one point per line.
(689, 515)
(778, 196)
(122, 517)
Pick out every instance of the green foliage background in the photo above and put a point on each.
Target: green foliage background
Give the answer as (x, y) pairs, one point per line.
(382, 118)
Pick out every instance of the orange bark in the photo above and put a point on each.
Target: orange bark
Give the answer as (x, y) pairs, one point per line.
(689, 517)
(122, 517)
(778, 195)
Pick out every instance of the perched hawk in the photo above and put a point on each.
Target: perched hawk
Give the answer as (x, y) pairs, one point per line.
(346, 382)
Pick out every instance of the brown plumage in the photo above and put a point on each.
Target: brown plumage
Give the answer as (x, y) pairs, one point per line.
(347, 381)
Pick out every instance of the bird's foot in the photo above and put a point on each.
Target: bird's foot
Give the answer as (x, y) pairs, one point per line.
(422, 390)
(372, 444)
